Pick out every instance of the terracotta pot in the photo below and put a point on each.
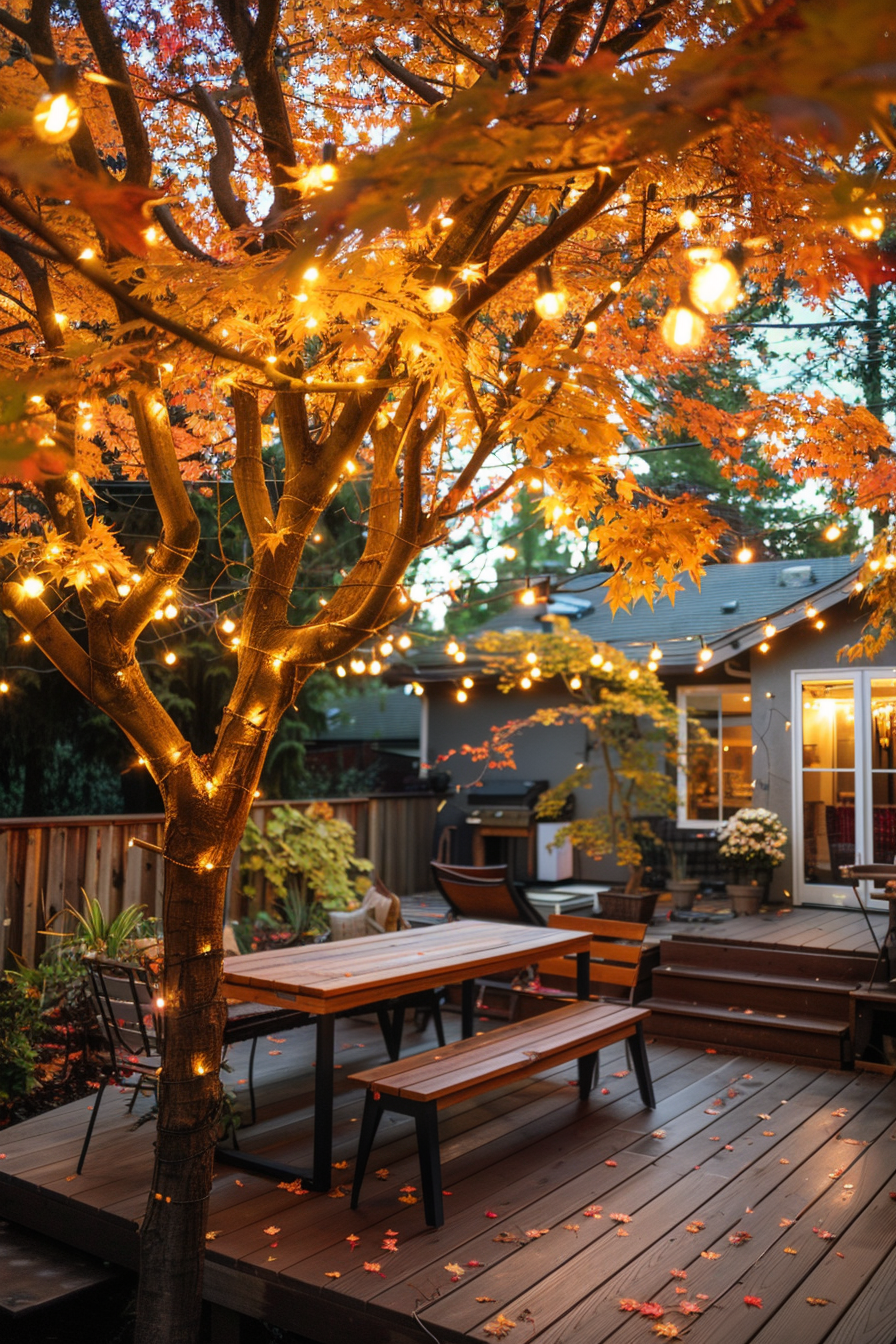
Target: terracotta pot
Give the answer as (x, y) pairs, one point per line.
(635, 906)
(683, 890)
(745, 898)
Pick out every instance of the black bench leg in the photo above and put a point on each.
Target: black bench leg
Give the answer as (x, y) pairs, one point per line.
(436, 1011)
(642, 1067)
(91, 1122)
(467, 1001)
(373, 1110)
(587, 1070)
(427, 1121)
(252, 1078)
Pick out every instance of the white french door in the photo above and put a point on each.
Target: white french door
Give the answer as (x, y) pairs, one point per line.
(844, 780)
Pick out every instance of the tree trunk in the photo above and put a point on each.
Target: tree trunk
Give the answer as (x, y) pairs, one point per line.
(199, 842)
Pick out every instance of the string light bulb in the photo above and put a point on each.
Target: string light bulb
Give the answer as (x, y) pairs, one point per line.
(170, 658)
(170, 611)
(550, 302)
(417, 593)
(56, 117)
(375, 667)
(452, 647)
(715, 285)
(656, 653)
(867, 226)
(525, 682)
(575, 683)
(705, 654)
(832, 532)
(340, 671)
(4, 688)
(596, 660)
(744, 555)
(764, 647)
(769, 629)
(468, 683)
(689, 219)
(33, 585)
(228, 626)
(528, 597)
(682, 328)
(461, 697)
(404, 641)
(439, 298)
(634, 674)
(416, 688)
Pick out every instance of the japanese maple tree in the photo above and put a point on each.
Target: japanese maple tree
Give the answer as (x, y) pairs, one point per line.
(421, 247)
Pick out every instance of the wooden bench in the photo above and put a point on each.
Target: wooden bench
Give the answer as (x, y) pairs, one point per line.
(424, 1084)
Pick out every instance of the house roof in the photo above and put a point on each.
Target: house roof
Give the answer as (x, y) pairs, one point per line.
(374, 714)
(727, 612)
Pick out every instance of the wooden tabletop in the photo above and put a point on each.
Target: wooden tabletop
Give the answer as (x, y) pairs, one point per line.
(330, 977)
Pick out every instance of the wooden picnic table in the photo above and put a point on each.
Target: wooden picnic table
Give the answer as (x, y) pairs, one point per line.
(327, 979)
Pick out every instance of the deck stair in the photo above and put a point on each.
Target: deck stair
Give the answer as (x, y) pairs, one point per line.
(788, 1004)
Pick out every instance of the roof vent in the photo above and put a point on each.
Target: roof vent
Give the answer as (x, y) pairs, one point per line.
(796, 576)
(573, 608)
(730, 606)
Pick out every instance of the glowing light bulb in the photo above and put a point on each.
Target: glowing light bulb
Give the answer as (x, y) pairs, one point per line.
(26, 639)
(208, 866)
(170, 658)
(340, 671)
(705, 655)
(509, 552)
(868, 226)
(160, 1003)
(417, 593)
(386, 648)
(688, 219)
(170, 611)
(608, 667)
(714, 287)
(535, 484)
(615, 286)
(634, 674)
(440, 298)
(819, 625)
(404, 641)
(311, 274)
(452, 647)
(468, 682)
(4, 688)
(744, 555)
(682, 328)
(375, 667)
(597, 660)
(768, 630)
(199, 1070)
(764, 647)
(461, 697)
(575, 683)
(832, 532)
(56, 118)
(33, 586)
(656, 653)
(123, 589)
(525, 682)
(228, 626)
(460, 656)
(652, 665)
(416, 688)
(550, 304)
(528, 597)
(811, 613)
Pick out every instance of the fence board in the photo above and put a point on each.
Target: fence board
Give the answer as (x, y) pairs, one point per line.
(44, 862)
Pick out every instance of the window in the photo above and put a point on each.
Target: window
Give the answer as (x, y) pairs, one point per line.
(716, 753)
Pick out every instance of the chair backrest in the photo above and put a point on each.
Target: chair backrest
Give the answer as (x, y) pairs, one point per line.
(490, 872)
(126, 1009)
(616, 947)
(494, 897)
(878, 873)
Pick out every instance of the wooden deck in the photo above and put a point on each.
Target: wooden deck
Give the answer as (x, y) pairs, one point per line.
(801, 927)
(735, 1145)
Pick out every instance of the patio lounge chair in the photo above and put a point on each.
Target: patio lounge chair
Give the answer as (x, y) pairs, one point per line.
(484, 893)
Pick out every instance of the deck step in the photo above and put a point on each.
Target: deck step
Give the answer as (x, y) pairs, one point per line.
(36, 1272)
(851, 968)
(805, 1040)
(816, 998)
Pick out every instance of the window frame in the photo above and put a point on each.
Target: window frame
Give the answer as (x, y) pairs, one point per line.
(699, 688)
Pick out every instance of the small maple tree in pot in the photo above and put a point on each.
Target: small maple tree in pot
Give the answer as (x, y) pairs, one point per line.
(201, 250)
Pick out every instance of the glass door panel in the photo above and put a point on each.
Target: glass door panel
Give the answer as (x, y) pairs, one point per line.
(882, 706)
(828, 779)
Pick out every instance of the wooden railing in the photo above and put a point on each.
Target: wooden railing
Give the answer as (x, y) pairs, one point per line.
(46, 863)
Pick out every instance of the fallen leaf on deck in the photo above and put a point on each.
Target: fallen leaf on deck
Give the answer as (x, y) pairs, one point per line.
(841, 1112)
(629, 1304)
(658, 1134)
(717, 1101)
(605, 1091)
(621, 1217)
(790, 1250)
(271, 1231)
(490, 1214)
(373, 1268)
(715, 1138)
(623, 1073)
(389, 1244)
(753, 1301)
(678, 1273)
(455, 1269)
(729, 1147)
(506, 1236)
(277, 1040)
(768, 1133)
(537, 1232)
(817, 1301)
(294, 1187)
(695, 1227)
(340, 1166)
(210, 1236)
(407, 1199)
(352, 1239)
(621, 1232)
(239, 1183)
(681, 1290)
(666, 1330)
(570, 1227)
(732, 1093)
(72, 1178)
(593, 1211)
(689, 1308)
(702, 1297)
(748, 1012)
(609, 1162)
(825, 1236)
(486, 1299)
(737, 1238)
(784, 1161)
(761, 1115)
(652, 1309)
(474, 1264)
(408, 1189)
(711, 1052)
(338, 1192)
(786, 1222)
(382, 1174)
(747, 1075)
(275, 1052)
(271, 1259)
(332, 1274)
(709, 1111)
(499, 1326)
(709, 1255)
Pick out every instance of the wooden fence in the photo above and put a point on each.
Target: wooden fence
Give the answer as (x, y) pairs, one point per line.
(46, 863)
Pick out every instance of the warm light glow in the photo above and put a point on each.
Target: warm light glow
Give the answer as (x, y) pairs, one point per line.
(123, 589)
(652, 665)
(535, 673)
(705, 655)
(525, 682)
(531, 657)
(26, 639)
(715, 287)
(160, 1003)
(868, 226)
(597, 660)
(763, 647)
(33, 586)
(615, 286)
(404, 641)
(56, 118)
(375, 667)
(467, 682)
(460, 656)
(858, 586)
(535, 483)
(744, 555)
(170, 611)
(528, 597)
(819, 624)
(452, 647)
(768, 630)
(228, 626)
(509, 552)
(634, 674)
(199, 1070)
(550, 304)
(311, 274)
(440, 298)
(208, 866)
(833, 532)
(656, 653)
(276, 664)
(358, 666)
(688, 219)
(340, 671)
(351, 467)
(461, 696)
(416, 688)
(386, 647)
(4, 688)
(682, 328)
(575, 683)
(170, 658)
(811, 612)
(417, 593)
(87, 254)
(445, 222)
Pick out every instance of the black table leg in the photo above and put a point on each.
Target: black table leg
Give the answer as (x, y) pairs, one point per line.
(583, 974)
(467, 1000)
(323, 1102)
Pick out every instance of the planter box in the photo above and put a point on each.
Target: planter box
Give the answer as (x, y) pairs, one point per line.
(637, 906)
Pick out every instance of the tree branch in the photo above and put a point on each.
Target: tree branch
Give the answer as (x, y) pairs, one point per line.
(49, 634)
(566, 34)
(180, 526)
(39, 284)
(640, 28)
(222, 163)
(421, 87)
(176, 235)
(455, 44)
(248, 469)
(110, 59)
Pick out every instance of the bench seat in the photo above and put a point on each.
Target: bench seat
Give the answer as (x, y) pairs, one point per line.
(424, 1084)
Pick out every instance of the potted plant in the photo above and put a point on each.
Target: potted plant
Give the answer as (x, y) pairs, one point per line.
(630, 730)
(308, 857)
(752, 844)
(681, 888)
